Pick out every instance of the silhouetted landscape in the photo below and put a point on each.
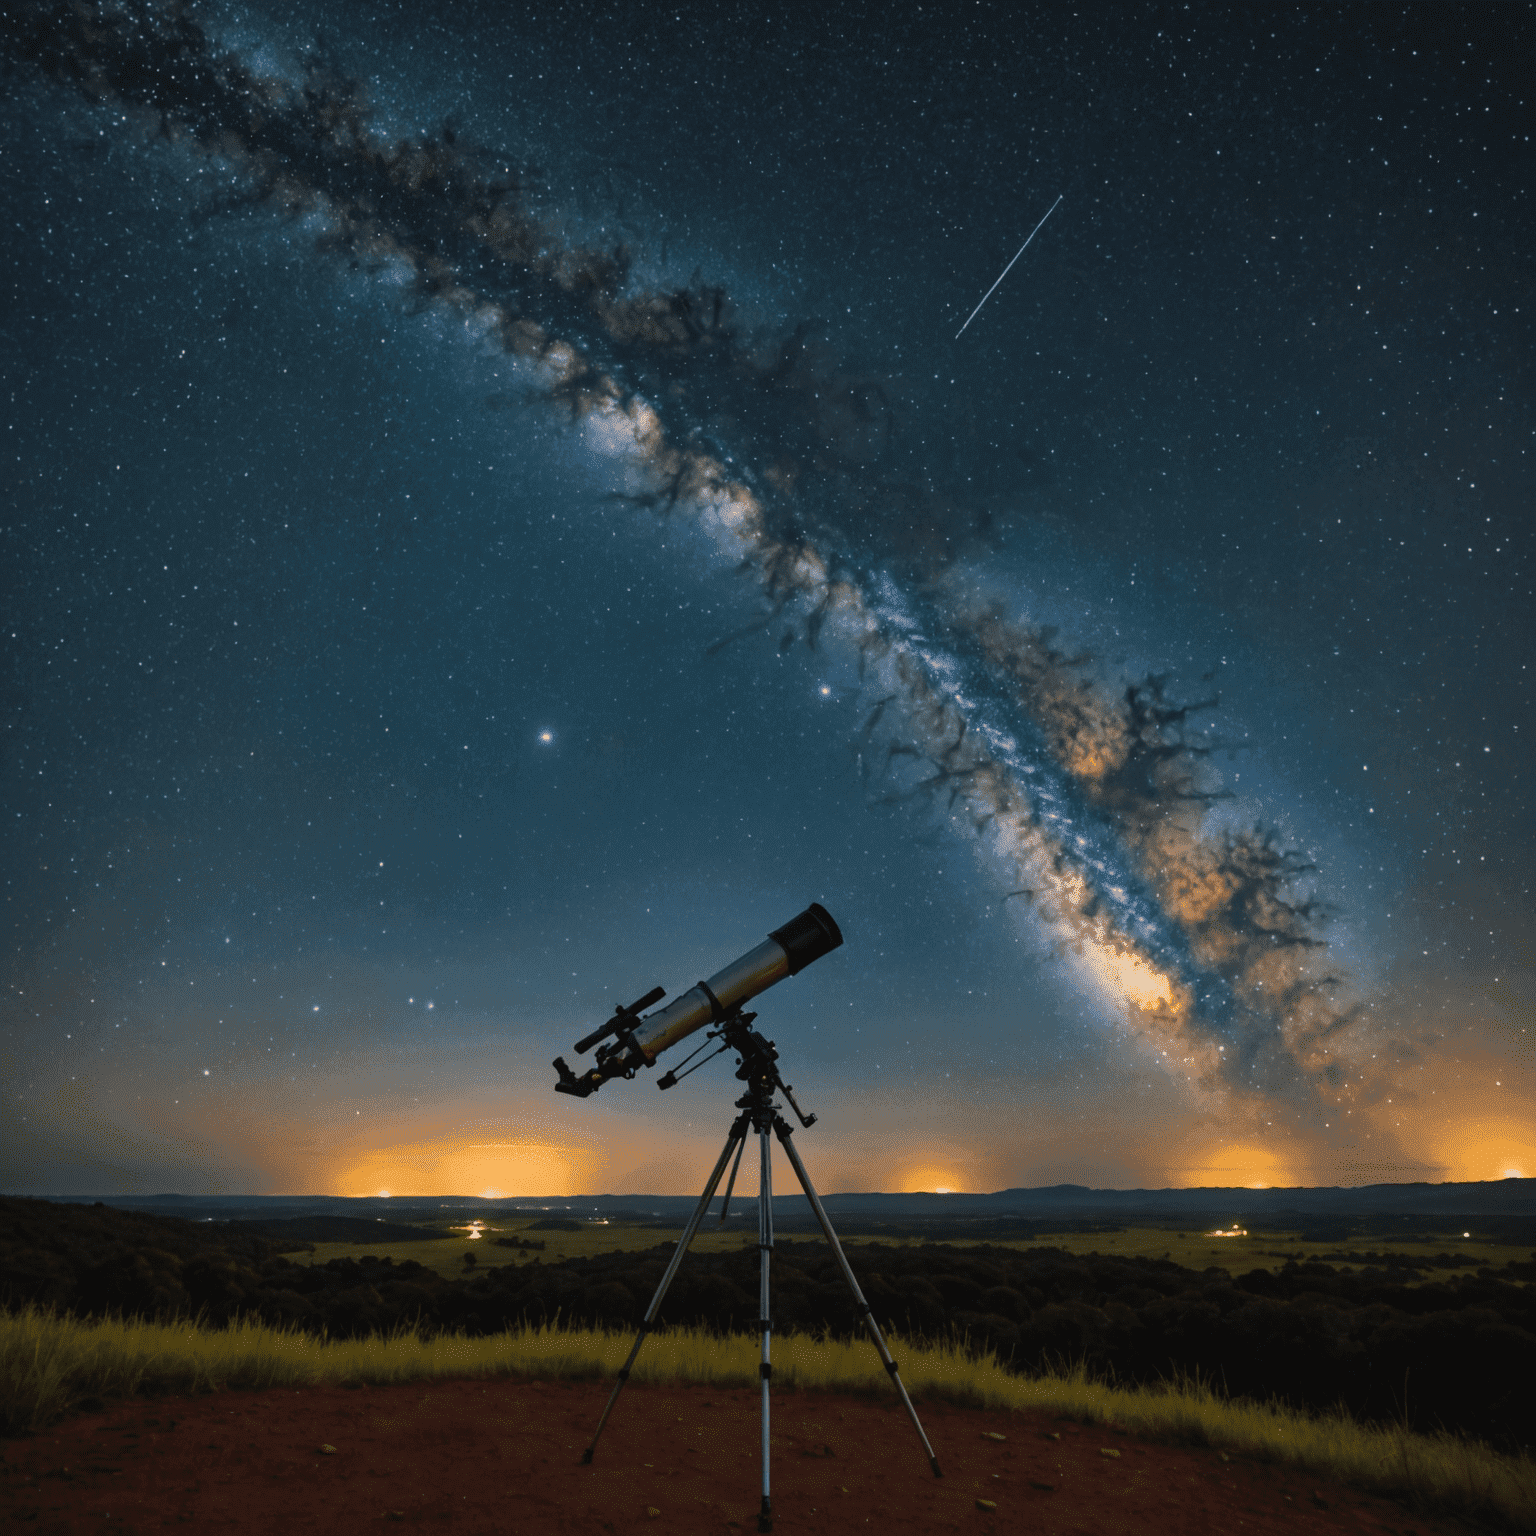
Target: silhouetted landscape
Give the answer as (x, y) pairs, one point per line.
(1391, 1335)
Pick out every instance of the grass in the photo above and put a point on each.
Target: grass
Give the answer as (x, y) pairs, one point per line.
(52, 1365)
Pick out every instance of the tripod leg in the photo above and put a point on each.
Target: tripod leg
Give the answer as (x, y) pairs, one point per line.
(853, 1285)
(738, 1134)
(764, 1319)
(730, 1183)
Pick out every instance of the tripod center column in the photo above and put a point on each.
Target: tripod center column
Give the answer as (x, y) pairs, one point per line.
(764, 1318)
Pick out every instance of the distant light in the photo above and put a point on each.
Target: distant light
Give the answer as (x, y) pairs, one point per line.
(825, 691)
(546, 736)
(316, 1008)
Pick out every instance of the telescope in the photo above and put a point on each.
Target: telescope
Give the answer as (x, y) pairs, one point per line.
(632, 1039)
(633, 1042)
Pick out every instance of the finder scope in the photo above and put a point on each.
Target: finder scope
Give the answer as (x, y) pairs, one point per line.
(636, 1042)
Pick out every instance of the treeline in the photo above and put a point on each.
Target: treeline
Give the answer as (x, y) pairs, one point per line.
(66, 1256)
(1455, 1352)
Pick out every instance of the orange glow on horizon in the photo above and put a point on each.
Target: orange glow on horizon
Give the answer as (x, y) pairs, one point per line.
(930, 1180)
(1483, 1147)
(449, 1165)
(1237, 1164)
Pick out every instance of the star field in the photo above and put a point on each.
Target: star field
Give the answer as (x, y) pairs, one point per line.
(374, 723)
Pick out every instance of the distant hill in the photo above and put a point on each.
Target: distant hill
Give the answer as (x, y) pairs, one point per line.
(1507, 1203)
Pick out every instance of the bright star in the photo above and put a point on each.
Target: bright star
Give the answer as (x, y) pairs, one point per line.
(546, 736)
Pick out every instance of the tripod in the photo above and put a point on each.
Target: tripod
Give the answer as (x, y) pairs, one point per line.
(759, 1113)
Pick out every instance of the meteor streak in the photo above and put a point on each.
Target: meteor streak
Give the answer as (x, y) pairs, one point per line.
(1009, 268)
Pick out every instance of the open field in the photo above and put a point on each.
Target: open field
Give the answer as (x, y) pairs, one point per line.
(51, 1366)
(1191, 1249)
(446, 1255)
(1259, 1250)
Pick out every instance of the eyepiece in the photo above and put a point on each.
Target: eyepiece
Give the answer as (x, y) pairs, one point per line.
(807, 937)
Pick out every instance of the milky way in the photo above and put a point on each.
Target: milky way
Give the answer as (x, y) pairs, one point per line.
(1088, 804)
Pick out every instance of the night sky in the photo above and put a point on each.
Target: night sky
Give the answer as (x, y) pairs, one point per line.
(497, 517)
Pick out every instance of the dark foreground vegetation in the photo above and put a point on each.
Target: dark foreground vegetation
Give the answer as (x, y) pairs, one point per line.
(1455, 1353)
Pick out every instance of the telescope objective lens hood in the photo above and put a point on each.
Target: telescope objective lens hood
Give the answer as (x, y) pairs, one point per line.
(807, 937)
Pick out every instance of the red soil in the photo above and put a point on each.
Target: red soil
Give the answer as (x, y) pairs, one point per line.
(504, 1456)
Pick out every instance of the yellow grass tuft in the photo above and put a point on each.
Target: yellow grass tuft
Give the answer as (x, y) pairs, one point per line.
(52, 1365)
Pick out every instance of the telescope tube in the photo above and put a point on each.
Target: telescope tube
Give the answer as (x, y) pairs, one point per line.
(637, 1042)
(785, 952)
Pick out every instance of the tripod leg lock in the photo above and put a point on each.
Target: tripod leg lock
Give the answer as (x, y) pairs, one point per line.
(765, 1371)
(892, 1367)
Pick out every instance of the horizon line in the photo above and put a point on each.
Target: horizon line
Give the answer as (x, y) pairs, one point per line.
(947, 1194)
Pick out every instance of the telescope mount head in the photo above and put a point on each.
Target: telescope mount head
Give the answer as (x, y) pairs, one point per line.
(757, 1067)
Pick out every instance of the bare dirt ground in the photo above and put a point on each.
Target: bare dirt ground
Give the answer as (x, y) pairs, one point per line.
(504, 1457)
